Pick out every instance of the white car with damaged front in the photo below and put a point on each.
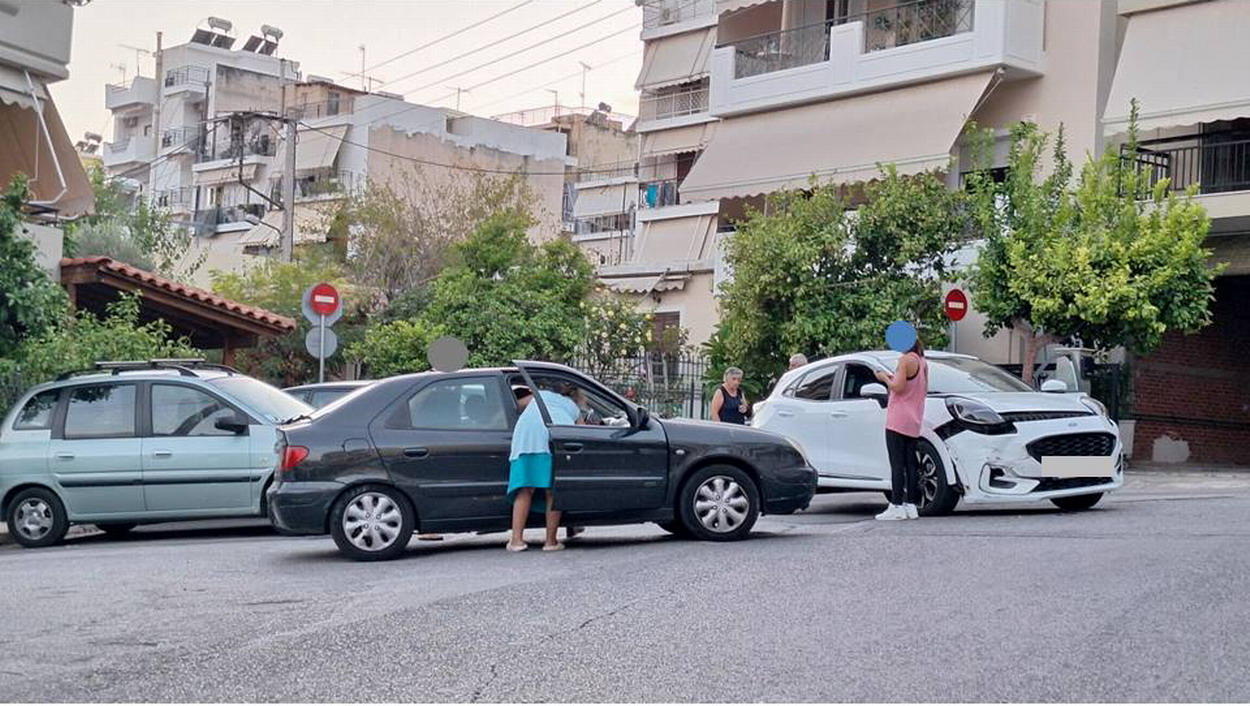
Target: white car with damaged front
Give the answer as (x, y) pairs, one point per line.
(987, 437)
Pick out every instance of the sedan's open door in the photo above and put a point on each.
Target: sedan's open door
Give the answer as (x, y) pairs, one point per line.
(621, 465)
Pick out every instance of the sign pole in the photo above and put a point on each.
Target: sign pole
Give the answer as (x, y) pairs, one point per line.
(321, 351)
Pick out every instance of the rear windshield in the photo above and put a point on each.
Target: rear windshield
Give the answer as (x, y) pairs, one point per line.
(275, 404)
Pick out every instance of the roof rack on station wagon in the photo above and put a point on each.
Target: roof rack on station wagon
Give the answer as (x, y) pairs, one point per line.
(184, 366)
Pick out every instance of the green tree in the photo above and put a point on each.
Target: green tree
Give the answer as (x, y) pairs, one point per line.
(279, 287)
(812, 277)
(395, 347)
(615, 330)
(1114, 259)
(134, 231)
(31, 304)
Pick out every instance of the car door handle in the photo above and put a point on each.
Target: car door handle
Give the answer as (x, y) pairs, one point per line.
(572, 447)
(65, 456)
(417, 452)
(162, 454)
(839, 415)
(784, 413)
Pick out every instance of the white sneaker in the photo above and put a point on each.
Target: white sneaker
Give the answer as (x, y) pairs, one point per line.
(912, 512)
(893, 512)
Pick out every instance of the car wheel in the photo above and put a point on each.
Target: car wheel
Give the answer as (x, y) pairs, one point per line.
(937, 497)
(719, 504)
(1077, 502)
(372, 523)
(116, 529)
(37, 518)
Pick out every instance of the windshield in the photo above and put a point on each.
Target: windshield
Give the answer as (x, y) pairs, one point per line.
(958, 375)
(266, 399)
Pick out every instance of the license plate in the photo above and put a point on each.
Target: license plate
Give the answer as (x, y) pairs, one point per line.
(1078, 466)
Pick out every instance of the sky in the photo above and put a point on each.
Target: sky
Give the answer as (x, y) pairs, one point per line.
(324, 36)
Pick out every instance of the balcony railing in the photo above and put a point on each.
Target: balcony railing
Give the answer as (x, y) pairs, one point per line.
(260, 146)
(186, 75)
(884, 28)
(660, 13)
(319, 109)
(191, 138)
(674, 104)
(656, 194)
(329, 183)
(208, 219)
(1216, 165)
(610, 223)
(182, 198)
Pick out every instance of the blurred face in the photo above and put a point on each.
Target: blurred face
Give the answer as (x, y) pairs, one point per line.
(733, 381)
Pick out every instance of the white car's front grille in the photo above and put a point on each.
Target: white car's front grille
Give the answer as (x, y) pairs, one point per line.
(1084, 444)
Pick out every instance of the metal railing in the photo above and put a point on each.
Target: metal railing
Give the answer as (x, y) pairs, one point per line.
(1215, 165)
(175, 199)
(884, 28)
(673, 104)
(259, 146)
(320, 109)
(183, 138)
(207, 219)
(608, 223)
(187, 75)
(660, 13)
(328, 183)
(655, 194)
(668, 384)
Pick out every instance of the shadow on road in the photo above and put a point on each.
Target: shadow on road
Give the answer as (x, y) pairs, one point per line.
(183, 530)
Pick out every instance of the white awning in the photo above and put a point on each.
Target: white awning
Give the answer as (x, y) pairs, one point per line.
(603, 200)
(690, 138)
(676, 240)
(14, 90)
(645, 284)
(913, 128)
(1185, 65)
(317, 149)
(226, 174)
(676, 59)
(57, 176)
(723, 6)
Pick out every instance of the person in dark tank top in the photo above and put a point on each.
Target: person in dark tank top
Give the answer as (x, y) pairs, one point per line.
(729, 403)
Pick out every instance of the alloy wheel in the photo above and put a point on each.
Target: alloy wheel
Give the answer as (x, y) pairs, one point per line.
(34, 519)
(721, 504)
(927, 472)
(372, 522)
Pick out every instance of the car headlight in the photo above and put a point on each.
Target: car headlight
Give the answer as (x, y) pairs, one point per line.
(1095, 406)
(794, 444)
(973, 412)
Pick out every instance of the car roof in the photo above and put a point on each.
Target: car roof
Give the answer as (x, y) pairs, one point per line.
(337, 384)
(884, 357)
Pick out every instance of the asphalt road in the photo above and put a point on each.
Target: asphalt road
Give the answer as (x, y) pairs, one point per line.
(1143, 599)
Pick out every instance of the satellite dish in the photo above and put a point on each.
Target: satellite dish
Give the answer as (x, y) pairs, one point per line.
(604, 107)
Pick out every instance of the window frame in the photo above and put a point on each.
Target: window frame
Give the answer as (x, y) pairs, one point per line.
(585, 384)
(148, 431)
(841, 389)
(67, 396)
(834, 389)
(401, 404)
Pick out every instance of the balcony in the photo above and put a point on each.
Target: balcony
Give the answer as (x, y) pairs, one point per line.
(131, 150)
(674, 104)
(140, 92)
(922, 40)
(183, 138)
(261, 146)
(222, 219)
(327, 186)
(180, 200)
(659, 17)
(1215, 164)
(192, 80)
(658, 194)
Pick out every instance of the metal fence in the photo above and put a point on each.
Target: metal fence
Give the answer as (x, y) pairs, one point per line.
(673, 104)
(1216, 165)
(1109, 384)
(669, 385)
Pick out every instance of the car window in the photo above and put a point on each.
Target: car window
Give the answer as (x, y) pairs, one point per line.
(596, 407)
(37, 412)
(100, 411)
(321, 398)
(265, 399)
(955, 375)
(817, 385)
(178, 410)
(857, 375)
(456, 405)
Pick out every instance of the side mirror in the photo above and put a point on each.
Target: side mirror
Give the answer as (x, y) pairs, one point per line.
(641, 418)
(236, 424)
(1054, 385)
(873, 389)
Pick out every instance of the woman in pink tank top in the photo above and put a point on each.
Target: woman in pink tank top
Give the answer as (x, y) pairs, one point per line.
(904, 414)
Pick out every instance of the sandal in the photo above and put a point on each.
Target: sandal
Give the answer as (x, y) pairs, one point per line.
(517, 547)
(553, 547)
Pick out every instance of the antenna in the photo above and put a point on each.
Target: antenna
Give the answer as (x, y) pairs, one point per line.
(121, 68)
(458, 91)
(555, 105)
(139, 53)
(585, 68)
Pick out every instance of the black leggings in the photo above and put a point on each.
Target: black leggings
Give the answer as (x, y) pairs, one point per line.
(904, 473)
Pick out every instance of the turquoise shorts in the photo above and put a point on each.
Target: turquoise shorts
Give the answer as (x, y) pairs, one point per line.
(530, 471)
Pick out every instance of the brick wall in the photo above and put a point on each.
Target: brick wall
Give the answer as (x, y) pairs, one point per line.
(1196, 387)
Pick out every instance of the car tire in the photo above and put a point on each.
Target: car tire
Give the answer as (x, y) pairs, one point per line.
(116, 529)
(937, 497)
(372, 522)
(1074, 503)
(719, 504)
(37, 518)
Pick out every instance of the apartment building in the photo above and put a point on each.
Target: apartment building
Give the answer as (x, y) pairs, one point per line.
(348, 139)
(743, 98)
(34, 53)
(1184, 61)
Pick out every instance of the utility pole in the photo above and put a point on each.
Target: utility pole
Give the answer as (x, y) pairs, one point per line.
(160, 90)
(364, 82)
(585, 68)
(288, 192)
(458, 91)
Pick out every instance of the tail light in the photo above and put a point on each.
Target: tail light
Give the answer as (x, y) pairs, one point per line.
(288, 458)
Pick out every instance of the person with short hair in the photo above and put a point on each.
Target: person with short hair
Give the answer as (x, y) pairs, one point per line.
(797, 360)
(729, 403)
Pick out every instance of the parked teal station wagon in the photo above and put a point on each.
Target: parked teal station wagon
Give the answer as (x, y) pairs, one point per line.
(139, 442)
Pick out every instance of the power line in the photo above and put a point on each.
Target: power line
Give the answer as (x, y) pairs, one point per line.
(575, 74)
(445, 37)
(520, 51)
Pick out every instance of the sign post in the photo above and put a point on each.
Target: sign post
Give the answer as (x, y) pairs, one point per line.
(322, 306)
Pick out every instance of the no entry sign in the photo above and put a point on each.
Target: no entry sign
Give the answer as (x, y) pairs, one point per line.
(324, 299)
(956, 304)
